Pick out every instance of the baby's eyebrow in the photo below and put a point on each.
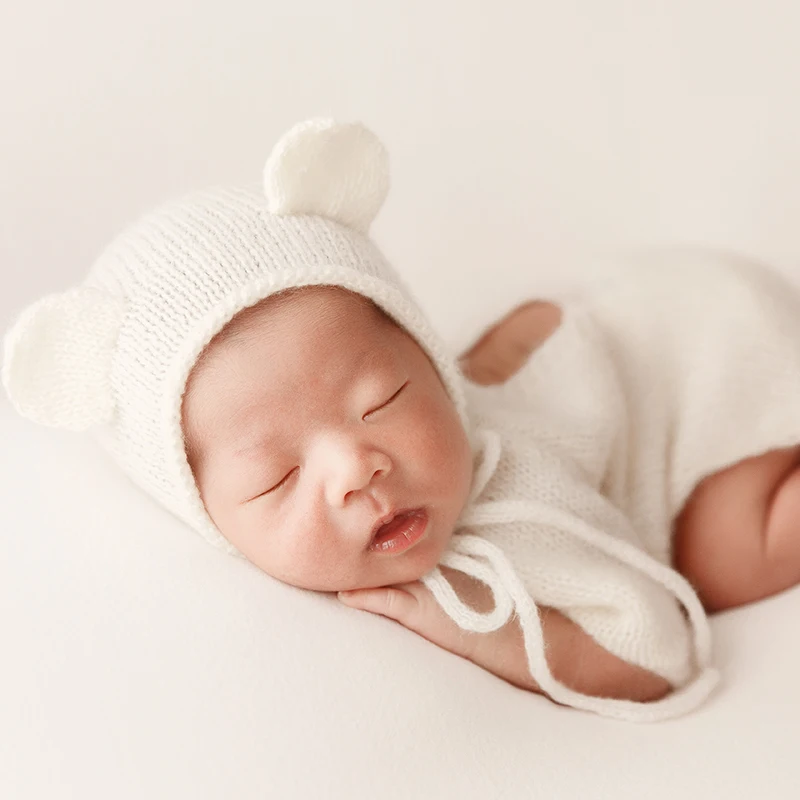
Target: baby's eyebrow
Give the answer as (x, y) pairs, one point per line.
(369, 359)
(243, 449)
(247, 435)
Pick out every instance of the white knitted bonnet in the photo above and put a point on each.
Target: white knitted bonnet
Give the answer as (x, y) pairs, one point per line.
(114, 354)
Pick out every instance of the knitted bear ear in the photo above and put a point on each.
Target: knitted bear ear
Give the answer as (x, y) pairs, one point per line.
(333, 170)
(57, 359)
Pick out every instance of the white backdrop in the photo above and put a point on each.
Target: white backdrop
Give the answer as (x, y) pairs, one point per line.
(524, 134)
(527, 137)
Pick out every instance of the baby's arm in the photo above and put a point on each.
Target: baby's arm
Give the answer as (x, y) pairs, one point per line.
(575, 659)
(506, 346)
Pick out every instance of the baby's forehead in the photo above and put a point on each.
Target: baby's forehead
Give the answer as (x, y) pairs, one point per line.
(315, 327)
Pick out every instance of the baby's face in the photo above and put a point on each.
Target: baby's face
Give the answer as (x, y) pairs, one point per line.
(324, 444)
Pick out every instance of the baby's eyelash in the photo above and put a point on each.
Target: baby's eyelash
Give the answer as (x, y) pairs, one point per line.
(388, 402)
(277, 486)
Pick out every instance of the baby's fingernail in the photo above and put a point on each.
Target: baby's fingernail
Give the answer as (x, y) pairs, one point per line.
(345, 595)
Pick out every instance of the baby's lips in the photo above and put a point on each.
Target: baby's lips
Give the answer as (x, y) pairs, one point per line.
(400, 532)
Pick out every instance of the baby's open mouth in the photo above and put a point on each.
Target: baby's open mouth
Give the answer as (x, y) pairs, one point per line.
(399, 532)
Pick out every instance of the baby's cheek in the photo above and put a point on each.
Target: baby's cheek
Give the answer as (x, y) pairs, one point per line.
(438, 441)
(308, 550)
(258, 530)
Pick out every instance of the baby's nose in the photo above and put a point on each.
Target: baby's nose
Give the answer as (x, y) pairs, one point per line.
(351, 468)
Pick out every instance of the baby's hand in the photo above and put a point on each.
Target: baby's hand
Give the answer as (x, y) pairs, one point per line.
(413, 606)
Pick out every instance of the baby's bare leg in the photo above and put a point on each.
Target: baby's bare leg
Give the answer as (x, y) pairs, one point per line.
(738, 538)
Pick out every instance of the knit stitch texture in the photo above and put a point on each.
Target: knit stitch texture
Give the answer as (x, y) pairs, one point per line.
(583, 459)
(667, 374)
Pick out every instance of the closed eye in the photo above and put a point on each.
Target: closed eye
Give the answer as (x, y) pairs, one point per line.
(274, 488)
(388, 402)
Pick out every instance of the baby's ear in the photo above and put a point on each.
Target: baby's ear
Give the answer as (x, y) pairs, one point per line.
(328, 169)
(57, 359)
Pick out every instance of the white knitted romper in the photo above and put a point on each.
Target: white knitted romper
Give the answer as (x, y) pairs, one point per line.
(668, 373)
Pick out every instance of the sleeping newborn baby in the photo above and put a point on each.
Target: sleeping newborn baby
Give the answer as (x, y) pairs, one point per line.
(615, 466)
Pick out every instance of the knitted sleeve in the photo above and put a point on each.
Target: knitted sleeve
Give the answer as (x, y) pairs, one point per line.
(579, 556)
(581, 561)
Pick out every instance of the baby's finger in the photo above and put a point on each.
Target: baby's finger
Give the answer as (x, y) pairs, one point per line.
(391, 602)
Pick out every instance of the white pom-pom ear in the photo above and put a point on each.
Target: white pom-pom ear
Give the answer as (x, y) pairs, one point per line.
(57, 359)
(333, 170)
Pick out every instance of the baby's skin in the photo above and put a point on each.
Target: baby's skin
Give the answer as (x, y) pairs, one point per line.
(327, 450)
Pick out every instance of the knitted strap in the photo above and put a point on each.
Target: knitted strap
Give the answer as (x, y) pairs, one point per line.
(462, 560)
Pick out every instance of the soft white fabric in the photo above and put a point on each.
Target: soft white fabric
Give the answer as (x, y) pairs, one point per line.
(670, 373)
(64, 380)
(328, 170)
(192, 675)
(115, 353)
